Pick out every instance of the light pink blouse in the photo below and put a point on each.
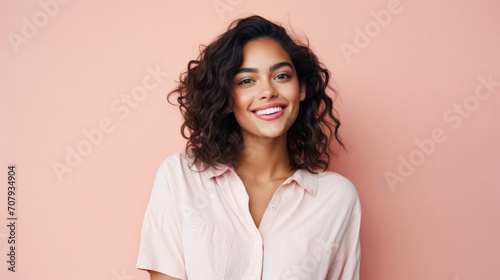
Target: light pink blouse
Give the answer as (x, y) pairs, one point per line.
(198, 227)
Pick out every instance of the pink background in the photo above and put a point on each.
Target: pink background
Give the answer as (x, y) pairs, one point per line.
(65, 68)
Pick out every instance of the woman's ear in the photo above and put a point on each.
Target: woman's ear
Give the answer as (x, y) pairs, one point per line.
(302, 88)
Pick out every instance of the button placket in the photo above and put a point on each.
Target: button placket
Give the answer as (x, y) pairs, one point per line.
(270, 213)
(256, 261)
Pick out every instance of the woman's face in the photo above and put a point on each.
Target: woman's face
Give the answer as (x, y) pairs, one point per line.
(266, 90)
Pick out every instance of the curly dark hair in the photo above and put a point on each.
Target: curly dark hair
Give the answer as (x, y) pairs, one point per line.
(205, 99)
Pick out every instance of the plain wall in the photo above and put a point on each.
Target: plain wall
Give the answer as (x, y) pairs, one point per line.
(420, 119)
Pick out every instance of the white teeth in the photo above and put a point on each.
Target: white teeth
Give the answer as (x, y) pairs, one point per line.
(269, 111)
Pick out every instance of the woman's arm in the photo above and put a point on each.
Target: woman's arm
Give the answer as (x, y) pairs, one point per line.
(160, 276)
(161, 251)
(349, 252)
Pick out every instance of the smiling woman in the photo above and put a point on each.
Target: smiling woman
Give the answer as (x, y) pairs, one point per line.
(250, 198)
(266, 92)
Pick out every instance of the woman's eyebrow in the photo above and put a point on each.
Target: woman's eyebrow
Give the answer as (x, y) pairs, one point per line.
(246, 70)
(279, 65)
(272, 68)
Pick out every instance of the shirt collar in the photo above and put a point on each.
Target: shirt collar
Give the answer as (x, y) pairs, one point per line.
(304, 178)
(217, 170)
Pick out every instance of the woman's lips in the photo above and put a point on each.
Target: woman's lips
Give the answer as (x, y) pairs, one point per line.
(269, 113)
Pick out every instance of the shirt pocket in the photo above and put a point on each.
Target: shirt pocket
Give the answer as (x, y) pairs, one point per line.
(307, 258)
(206, 249)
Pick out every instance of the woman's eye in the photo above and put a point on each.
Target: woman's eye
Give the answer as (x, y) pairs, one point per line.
(282, 76)
(245, 81)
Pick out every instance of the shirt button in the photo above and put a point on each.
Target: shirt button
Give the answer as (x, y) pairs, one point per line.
(273, 207)
(259, 242)
(193, 228)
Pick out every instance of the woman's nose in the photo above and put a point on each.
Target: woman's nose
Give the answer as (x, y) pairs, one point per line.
(267, 90)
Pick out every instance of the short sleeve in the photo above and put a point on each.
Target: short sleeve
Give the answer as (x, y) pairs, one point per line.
(161, 243)
(349, 252)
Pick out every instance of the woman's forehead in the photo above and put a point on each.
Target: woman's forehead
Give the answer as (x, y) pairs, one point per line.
(264, 52)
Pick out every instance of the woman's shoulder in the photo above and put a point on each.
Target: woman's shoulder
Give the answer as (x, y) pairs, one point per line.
(178, 160)
(336, 184)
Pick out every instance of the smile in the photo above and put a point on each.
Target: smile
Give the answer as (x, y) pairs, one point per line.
(269, 111)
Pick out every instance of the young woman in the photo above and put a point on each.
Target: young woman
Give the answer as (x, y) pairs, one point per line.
(251, 198)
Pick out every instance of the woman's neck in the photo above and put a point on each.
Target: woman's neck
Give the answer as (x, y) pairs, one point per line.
(265, 159)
